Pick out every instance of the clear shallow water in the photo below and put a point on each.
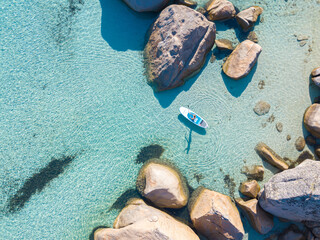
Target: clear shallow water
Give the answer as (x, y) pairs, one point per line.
(73, 84)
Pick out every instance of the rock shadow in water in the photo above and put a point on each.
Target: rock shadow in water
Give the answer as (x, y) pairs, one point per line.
(149, 152)
(38, 182)
(121, 201)
(122, 27)
(166, 97)
(237, 87)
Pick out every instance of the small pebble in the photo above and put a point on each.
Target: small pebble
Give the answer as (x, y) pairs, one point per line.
(279, 127)
(302, 43)
(288, 137)
(317, 150)
(300, 143)
(261, 108)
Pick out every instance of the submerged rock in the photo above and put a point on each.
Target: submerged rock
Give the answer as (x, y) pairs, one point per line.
(242, 59)
(188, 3)
(255, 172)
(294, 193)
(310, 140)
(224, 44)
(300, 143)
(253, 37)
(261, 108)
(215, 216)
(292, 233)
(179, 42)
(267, 154)
(220, 10)
(311, 119)
(315, 76)
(146, 5)
(260, 220)
(162, 185)
(140, 221)
(248, 17)
(250, 188)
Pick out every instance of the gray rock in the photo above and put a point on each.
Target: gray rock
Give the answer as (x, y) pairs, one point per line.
(224, 44)
(146, 5)
(179, 42)
(220, 10)
(300, 143)
(316, 232)
(311, 224)
(279, 127)
(248, 17)
(315, 76)
(294, 193)
(242, 59)
(311, 119)
(261, 108)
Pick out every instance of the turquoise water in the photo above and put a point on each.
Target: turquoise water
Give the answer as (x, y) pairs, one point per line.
(73, 85)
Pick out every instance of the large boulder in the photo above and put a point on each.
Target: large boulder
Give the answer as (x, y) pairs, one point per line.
(178, 44)
(220, 10)
(311, 119)
(146, 5)
(162, 185)
(294, 194)
(248, 17)
(260, 220)
(214, 215)
(242, 59)
(268, 155)
(140, 221)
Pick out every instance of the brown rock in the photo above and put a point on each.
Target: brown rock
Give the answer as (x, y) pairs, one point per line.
(215, 216)
(315, 76)
(242, 59)
(270, 156)
(300, 143)
(255, 172)
(162, 185)
(188, 3)
(288, 137)
(250, 188)
(253, 37)
(224, 44)
(317, 150)
(279, 127)
(260, 220)
(220, 10)
(248, 17)
(261, 108)
(311, 119)
(140, 221)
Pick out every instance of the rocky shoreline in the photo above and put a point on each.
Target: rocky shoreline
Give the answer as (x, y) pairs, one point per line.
(177, 47)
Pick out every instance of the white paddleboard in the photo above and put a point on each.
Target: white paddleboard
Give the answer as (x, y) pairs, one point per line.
(193, 117)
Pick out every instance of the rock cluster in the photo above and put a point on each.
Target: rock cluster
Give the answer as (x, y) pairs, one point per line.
(177, 47)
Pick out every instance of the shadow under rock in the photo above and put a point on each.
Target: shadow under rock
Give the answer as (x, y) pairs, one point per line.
(191, 126)
(122, 27)
(237, 87)
(166, 97)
